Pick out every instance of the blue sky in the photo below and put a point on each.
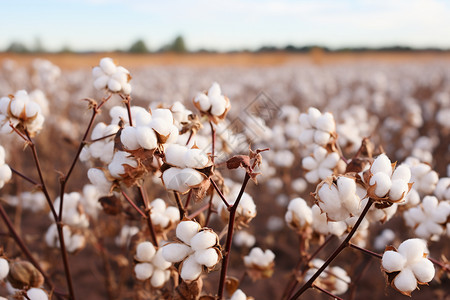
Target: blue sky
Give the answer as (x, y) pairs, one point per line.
(224, 25)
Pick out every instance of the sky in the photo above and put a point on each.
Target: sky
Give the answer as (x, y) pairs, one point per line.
(224, 25)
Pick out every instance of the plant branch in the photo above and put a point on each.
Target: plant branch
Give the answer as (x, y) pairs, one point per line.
(227, 250)
(336, 252)
(220, 193)
(134, 205)
(148, 210)
(326, 292)
(179, 204)
(377, 255)
(23, 247)
(24, 176)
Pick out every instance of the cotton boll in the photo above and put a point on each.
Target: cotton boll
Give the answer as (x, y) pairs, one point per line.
(191, 177)
(398, 190)
(244, 239)
(402, 172)
(405, 281)
(309, 163)
(101, 82)
(207, 257)
(326, 122)
(108, 66)
(31, 109)
(36, 294)
(97, 71)
(145, 251)
(299, 185)
(164, 114)
(195, 158)
(161, 126)
(146, 137)
(393, 261)
(190, 269)
(4, 268)
(203, 101)
(413, 249)
(143, 271)
(175, 252)
(203, 240)
(423, 270)
(186, 230)
(172, 181)
(238, 295)
(159, 262)
(382, 164)
(175, 154)
(128, 137)
(16, 107)
(158, 278)
(98, 178)
(321, 137)
(383, 183)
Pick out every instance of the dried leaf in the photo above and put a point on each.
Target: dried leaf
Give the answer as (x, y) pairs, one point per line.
(231, 284)
(188, 290)
(111, 205)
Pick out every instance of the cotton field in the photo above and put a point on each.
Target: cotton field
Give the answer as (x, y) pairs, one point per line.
(292, 181)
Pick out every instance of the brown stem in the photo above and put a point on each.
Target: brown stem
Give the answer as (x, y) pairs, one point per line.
(326, 292)
(210, 209)
(24, 176)
(290, 287)
(357, 277)
(443, 266)
(148, 209)
(127, 100)
(134, 205)
(220, 193)
(59, 224)
(213, 137)
(23, 247)
(188, 199)
(103, 137)
(199, 211)
(377, 255)
(64, 179)
(336, 252)
(179, 204)
(227, 250)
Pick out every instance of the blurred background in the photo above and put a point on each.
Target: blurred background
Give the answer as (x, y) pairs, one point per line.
(218, 32)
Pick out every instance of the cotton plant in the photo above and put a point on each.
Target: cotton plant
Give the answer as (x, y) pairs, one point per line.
(163, 216)
(246, 209)
(322, 226)
(259, 263)
(123, 239)
(334, 279)
(89, 200)
(108, 76)
(150, 130)
(103, 146)
(197, 249)
(442, 190)
(4, 268)
(212, 103)
(320, 164)
(339, 197)
(409, 265)
(36, 294)
(385, 181)
(423, 176)
(5, 170)
(317, 128)
(298, 215)
(21, 112)
(386, 237)
(151, 265)
(74, 239)
(244, 239)
(428, 220)
(185, 168)
(33, 201)
(73, 214)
